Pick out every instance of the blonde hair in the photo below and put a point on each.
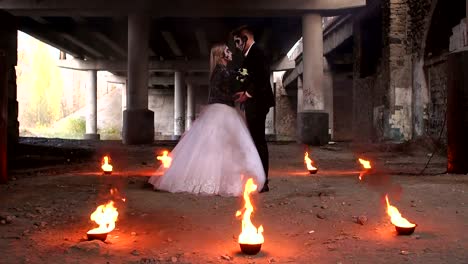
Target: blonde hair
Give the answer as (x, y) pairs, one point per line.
(216, 55)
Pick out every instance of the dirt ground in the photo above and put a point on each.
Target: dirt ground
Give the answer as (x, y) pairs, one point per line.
(307, 218)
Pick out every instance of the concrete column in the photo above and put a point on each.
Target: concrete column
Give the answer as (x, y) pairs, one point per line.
(3, 117)
(270, 118)
(190, 105)
(138, 121)
(328, 96)
(313, 119)
(299, 94)
(91, 106)
(179, 106)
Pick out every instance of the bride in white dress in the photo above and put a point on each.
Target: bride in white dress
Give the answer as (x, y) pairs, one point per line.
(217, 155)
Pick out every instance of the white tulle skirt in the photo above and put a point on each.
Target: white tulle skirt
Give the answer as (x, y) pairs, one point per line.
(215, 157)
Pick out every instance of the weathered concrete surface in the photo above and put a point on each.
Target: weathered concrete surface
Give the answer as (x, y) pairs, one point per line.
(314, 214)
(312, 127)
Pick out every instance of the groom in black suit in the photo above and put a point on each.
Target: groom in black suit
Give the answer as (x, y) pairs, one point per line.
(257, 94)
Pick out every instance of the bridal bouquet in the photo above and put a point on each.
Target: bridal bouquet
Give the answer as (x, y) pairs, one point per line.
(242, 74)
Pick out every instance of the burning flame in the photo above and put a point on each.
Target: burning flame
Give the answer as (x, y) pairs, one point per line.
(250, 234)
(105, 216)
(308, 162)
(366, 165)
(396, 217)
(105, 164)
(165, 159)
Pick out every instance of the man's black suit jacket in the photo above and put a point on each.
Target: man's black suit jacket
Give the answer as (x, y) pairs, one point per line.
(257, 83)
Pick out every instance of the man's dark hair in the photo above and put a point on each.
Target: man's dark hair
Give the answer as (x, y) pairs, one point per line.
(244, 28)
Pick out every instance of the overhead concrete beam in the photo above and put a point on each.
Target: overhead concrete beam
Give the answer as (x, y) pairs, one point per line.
(169, 38)
(284, 64)
(109, 42)
(88, 48)
(121, 66)
(200, 34)
(336, 33)
(212, 8)
(169, 80)
(293, 75)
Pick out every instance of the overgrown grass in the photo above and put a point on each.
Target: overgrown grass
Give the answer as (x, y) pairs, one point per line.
(71, 128)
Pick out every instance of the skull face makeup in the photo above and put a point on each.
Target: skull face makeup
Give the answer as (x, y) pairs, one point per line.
(240, 42)
(227, 54)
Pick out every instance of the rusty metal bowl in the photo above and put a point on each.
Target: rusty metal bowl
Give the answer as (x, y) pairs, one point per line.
(405, 231)
(101, 236)
(250, 249)
(107, 172)
(313, 171)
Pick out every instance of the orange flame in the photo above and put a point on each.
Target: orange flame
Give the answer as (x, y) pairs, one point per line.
(165, 159)
(105, 216)
(396, 217)
(250, 234)
(106, 167)
(366, 165)
(308, 162)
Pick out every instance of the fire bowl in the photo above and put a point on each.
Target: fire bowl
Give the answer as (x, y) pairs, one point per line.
(313, 171)
(101, 236)
(107, 172)
(250, 249)
(405, 231)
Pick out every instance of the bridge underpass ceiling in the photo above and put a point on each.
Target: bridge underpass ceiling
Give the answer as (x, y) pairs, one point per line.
(105, 38)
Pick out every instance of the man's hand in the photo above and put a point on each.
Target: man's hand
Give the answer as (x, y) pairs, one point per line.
(240, 97)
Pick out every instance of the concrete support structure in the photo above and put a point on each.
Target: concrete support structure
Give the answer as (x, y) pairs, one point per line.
(138, 121)
(313, 119)
(179, 104)
(91, 107)
(270, 118)
(190, 105)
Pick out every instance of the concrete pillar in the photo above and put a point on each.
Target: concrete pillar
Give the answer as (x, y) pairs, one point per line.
(138, 120)
(299, 94)
(328, 96)
(190, 105)
(179, 106)
(313, 119)
(91, 107)
(270, 118)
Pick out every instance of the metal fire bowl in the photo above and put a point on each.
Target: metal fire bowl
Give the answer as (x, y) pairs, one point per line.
(405, 231)
(101, 237)
(313, 171)
(250, 249)
(108, 172)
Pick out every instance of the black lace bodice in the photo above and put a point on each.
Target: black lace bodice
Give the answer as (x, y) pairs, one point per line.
(222, 86)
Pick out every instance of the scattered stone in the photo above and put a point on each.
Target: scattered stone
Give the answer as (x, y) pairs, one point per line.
(147, 261)
(311, 232)
(324, 206)
(417, 237)
(133, 233)
(93, 246)
(3, 222)
(404, 252)
(321, 216)
(362, 219)
(26, 232)
(332, 247)
(169, 239)
(135, 252)
(174, 259)
(226, 257)
(271, 260)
